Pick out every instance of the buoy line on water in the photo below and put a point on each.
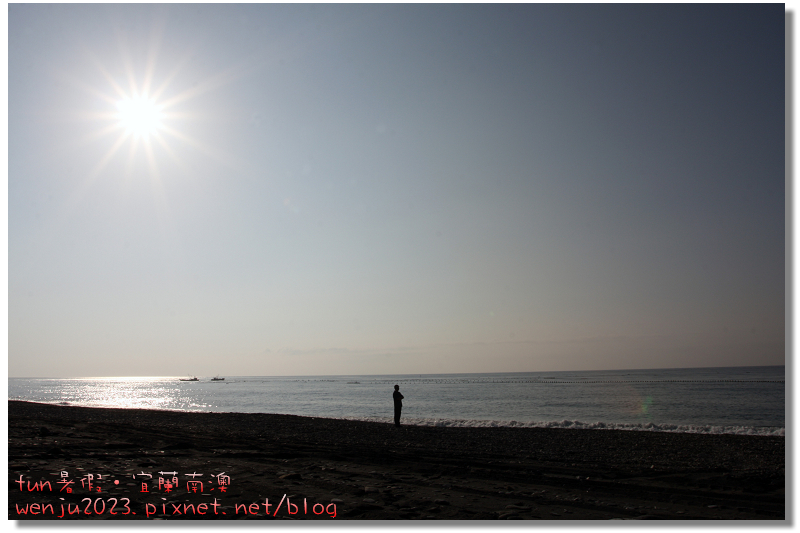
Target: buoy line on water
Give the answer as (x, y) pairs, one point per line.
(435, 381)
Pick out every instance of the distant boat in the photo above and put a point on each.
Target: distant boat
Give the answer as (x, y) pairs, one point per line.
(189, 379)
(353, 383)
(217, 378)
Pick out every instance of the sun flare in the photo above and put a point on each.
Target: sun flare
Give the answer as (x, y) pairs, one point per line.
(140, 115)
(148, 112)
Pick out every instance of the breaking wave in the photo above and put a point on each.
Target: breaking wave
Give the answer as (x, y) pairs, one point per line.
(576, 424)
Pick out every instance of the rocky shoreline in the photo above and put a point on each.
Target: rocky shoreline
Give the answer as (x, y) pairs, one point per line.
(264, 466)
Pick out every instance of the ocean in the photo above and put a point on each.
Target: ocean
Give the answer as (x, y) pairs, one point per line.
(739, 400)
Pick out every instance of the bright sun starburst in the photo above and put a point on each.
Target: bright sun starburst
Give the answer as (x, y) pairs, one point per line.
(145, 112)
(140, 116)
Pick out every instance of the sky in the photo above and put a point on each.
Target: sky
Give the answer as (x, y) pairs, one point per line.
(394, 189)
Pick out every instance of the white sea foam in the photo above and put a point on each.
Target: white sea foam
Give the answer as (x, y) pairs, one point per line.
(576, 424)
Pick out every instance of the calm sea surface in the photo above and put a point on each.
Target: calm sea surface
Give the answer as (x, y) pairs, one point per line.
(747, 400)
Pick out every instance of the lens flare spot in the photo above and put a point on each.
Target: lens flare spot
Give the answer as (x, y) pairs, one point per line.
(646, 403)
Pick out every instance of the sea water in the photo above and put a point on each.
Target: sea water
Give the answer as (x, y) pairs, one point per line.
(742, 400)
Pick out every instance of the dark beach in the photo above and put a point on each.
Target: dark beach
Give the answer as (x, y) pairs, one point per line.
(370, 471)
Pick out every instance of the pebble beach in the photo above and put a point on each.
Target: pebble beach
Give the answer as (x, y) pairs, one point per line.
(132, 464)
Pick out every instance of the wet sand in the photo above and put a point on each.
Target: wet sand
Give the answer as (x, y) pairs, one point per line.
(302, 468)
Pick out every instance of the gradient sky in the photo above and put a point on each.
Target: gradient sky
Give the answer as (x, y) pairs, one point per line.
(384, 189)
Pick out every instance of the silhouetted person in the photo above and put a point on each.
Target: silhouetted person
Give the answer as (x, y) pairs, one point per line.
(398, 404)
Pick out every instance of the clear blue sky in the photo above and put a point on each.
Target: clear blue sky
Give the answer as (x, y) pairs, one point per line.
(381, 189)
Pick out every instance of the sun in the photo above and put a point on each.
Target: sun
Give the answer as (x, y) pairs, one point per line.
(140, 116)
(148, 109)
